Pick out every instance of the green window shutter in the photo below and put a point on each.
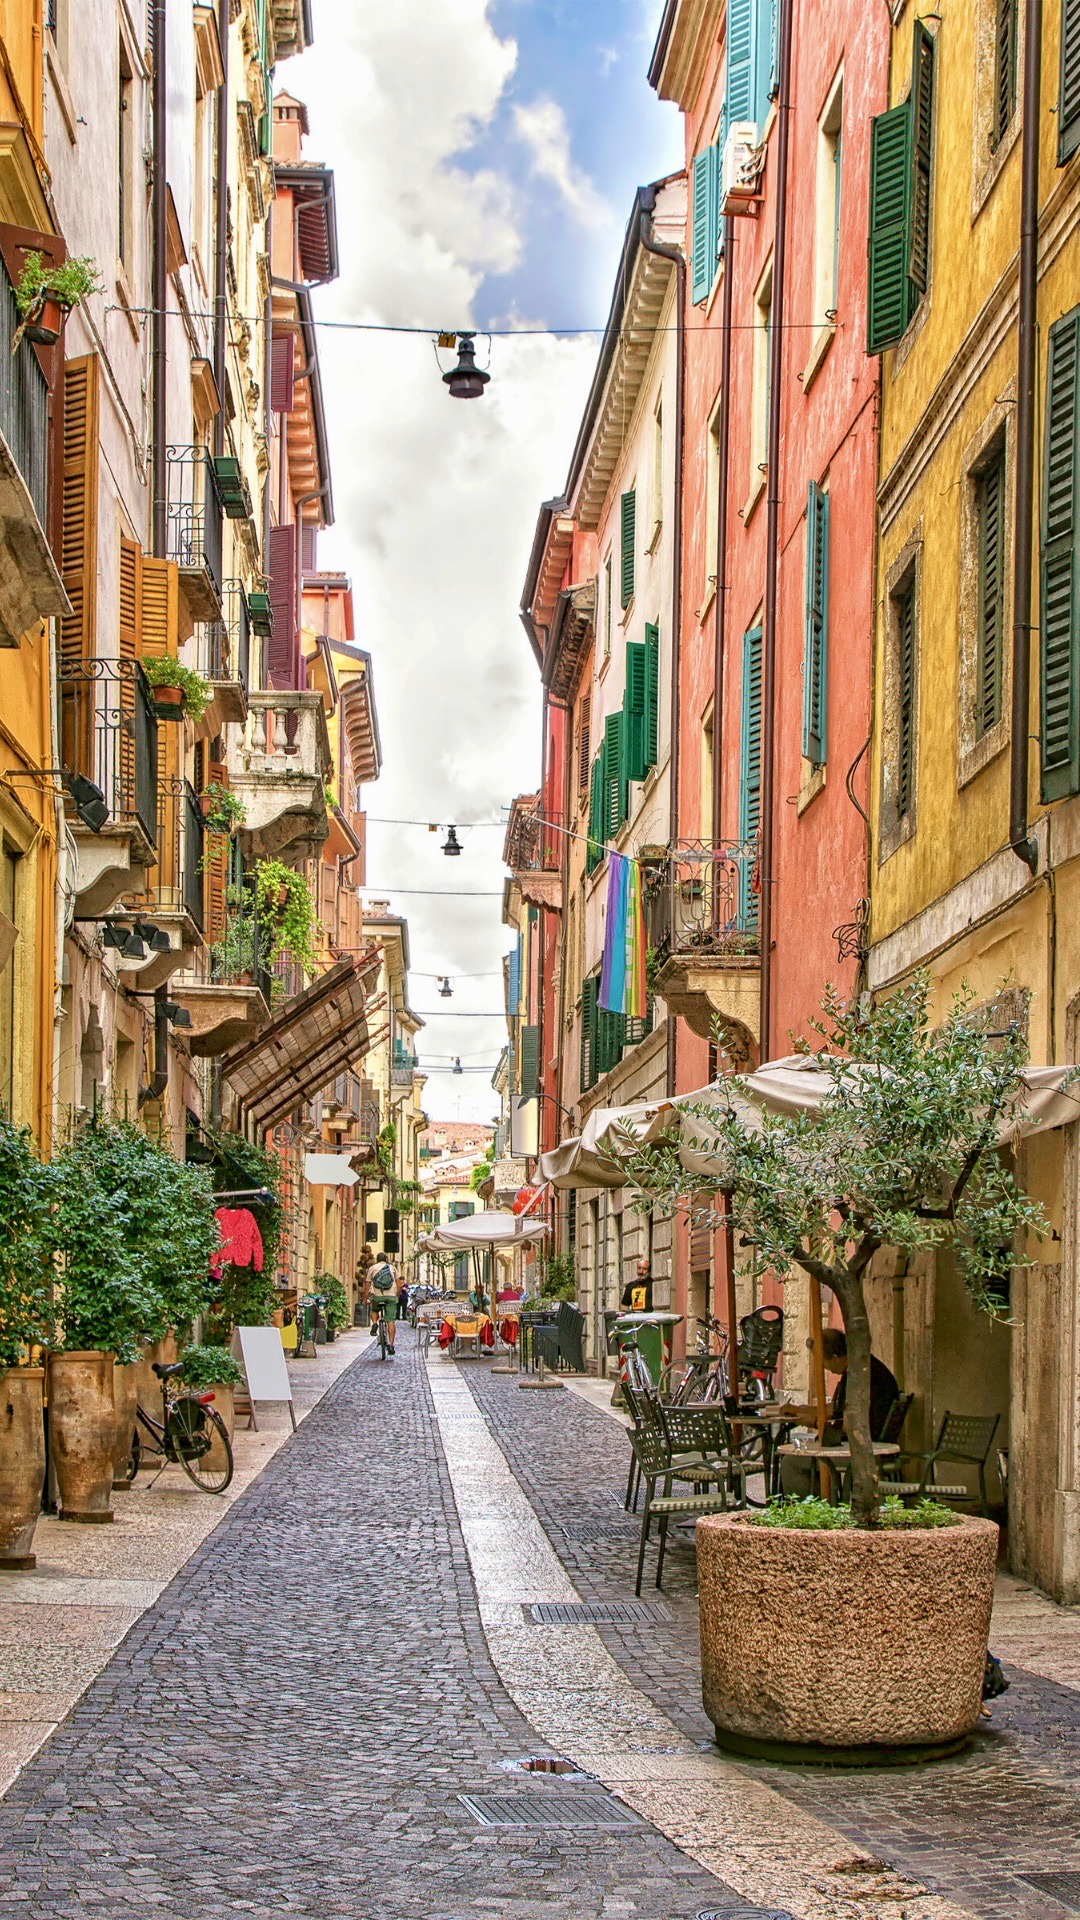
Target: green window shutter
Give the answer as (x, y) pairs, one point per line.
(1005, 44)
(588, 1032)
(1059, 673)
(816, 637)
(628, 536)
(739, 94)
(922, 135)
(610, 1039)
(652, 694)
(706, 230)
(1068, 113)
(990, 636)
(635, 758)
(530, 1062)
(907, 718)
(890, 219)
(749, 777)
(616, 795)
(597, 835)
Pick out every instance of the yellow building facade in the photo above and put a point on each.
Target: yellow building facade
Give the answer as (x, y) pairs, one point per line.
(949, 893)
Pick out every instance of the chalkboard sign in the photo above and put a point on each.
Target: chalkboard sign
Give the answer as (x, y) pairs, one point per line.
(262, 1357)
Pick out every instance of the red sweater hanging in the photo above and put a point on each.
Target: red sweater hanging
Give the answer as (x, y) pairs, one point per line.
(241, 1241)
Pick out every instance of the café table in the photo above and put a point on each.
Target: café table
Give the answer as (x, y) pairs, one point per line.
(836, 1457)
(772, 1419)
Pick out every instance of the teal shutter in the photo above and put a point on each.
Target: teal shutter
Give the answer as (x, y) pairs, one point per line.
(652, 694)
(990, 636)
(513, 992)
(616, 796)
(530, 1062)
(706, 222)
(628, 536)
(597, 834)
(1068, 114)
(749, 778)
(922, 135)
(610, 1039)
(890, 203)
(1060, 605)
(770, 46)
(635, 758)
(589, 989)
(816, 636)
(739, 93)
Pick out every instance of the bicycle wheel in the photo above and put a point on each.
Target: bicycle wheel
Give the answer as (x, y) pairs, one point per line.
(200, 1442)
(134, 1459)
(384, 1344)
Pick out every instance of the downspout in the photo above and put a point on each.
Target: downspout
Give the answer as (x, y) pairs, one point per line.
(159, 288)
(720, 637)
(221, 232)
(159, 1079)
(564, 707)
(678, 260)
(1022, 845)
(772, 535)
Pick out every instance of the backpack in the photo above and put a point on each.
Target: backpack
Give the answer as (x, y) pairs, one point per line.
(382, 1278)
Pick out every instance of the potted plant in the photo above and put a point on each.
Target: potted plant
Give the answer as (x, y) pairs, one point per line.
(884, 1626)
(335, 1303)
(45, 295)
(286, 914)
(24, 1320)
(177, 690)
(213, 1369)
(222, 811)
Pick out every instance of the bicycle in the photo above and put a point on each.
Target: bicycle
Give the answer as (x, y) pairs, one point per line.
(703, 1377)
(186, 1435)
(380, 1332)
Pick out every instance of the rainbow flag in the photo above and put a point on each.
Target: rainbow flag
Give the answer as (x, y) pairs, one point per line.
(622, 975)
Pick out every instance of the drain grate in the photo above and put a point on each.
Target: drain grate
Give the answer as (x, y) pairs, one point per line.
(1063, 1886)
(566, 1809)
(738, 1910)
(586, 1530)
(596, 1613)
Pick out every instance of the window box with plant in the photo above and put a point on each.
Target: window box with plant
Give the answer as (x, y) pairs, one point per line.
(179, 692)
(286, 914)
(46, 294)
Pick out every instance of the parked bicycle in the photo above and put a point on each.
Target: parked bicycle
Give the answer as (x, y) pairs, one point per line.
(702, 1378)
(190, 1433)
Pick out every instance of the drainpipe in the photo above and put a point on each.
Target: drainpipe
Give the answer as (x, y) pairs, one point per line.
(772, 533)
(159, 1079)
(564, 707)
(1022, 845)
(221, 231)
(678, 260)
(159, 286)
(720, 638)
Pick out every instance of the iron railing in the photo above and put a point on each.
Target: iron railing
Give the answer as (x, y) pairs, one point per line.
(24, 402)
(193, 513)
(237, 956)
(109, 733)
(703, 897)
(177, 882)
(223, 647)
(535, 843)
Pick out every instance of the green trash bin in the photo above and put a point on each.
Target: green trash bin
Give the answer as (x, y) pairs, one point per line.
(651, 1333)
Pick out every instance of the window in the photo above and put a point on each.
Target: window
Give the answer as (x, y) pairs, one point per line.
(1059, 703)
(749, 778)
(607, 604)
(904, 619)
(202, 183)
(712, 500)
(1005, 62)
(616, 797)
(815, 644)
(706, 224)
(990, 608)
(827, 210)
(589, 990)
(658, 471)
(627, 548)
(1068, 113)
(125, 148)
(597, 826)
(762, 381)
(584, 731)
(901, 145)
(529, 1056)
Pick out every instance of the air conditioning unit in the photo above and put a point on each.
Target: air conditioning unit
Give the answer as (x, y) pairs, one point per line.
(740, 169)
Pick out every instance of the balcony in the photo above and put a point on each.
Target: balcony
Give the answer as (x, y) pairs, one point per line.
(108, 733)
(228, 993)
(174, 900)
(402, 1067)
(223, 657)
(193, 529)
(30, 585)
(279, 764)
(534, 853)
(702, 921)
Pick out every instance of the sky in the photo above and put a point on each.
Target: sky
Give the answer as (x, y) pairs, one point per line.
(486, 154)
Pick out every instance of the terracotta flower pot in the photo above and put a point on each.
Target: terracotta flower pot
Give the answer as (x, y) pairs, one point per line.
(125, 1400)
(22, 1463)
(225, 1407)
(851, 1645)
(169, 702)
(82, 1433)
(47, 324)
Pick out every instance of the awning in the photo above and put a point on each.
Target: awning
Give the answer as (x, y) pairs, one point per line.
(792, 1085)
(330, 1170)
(483, 1230)
(320, 1033)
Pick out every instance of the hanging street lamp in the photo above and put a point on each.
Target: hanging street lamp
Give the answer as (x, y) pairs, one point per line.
(466, 381)
(452, 848)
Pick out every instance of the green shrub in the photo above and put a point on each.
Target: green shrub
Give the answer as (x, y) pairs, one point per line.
(818, 1516)
(557, 1276)
(163, 671)
(210, 1367)
(337, 1300)
(25, 1305)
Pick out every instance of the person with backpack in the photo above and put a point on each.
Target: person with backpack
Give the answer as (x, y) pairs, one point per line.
(384, 1300)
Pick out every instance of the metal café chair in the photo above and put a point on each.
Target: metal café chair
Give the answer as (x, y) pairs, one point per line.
(964, 1439)
(657, 1467)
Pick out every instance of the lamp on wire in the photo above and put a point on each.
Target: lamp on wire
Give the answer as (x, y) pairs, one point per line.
(458, 1068)
(466, 381)
(452, 845)
(445, 989)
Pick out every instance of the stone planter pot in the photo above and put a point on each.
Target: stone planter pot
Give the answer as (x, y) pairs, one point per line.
(853, 1647)
(82, 1433)
(224, 1405)
(22, 1463)
(125, 1400)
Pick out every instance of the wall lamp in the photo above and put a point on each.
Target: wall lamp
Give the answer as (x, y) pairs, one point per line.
(87, 798)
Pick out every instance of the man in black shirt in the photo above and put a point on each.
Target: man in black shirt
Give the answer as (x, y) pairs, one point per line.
(884, 1391)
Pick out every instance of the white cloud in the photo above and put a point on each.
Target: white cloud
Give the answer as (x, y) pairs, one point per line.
(544, 130)
(436, 500)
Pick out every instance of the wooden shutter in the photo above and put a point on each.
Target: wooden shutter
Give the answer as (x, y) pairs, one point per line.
(584, 730)
(130, 597)
(890, 204)
(529, 1055)
(652, 694)
(750, 776)
(922, 135)
(78, 556)
(616, 796)
(159, 609)
(217, 865)
(815, 639)
(597, 834)
(1068, 114)
(1059, 672)
(706, 222)
(990, 638)
(740, 90)
(282, 368)
(283, 646)
(588, 1032)
(1005, 44)
(907, 718)
(635, 761)
(627, 536)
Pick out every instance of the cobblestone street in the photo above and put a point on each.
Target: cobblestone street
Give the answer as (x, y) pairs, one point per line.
(291, 1726)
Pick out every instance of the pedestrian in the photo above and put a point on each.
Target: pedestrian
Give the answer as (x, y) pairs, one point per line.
(637, 1293)
(384, 1299)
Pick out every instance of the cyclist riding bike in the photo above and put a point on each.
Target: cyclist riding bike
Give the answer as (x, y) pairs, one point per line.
(384, 1301)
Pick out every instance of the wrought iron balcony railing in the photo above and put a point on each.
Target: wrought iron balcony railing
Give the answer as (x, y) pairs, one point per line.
(177, 882)
(702, 897)
(109, 733)
(236, 957)
(223, 647)
(535, 843)
(24, 402)
(193, 515)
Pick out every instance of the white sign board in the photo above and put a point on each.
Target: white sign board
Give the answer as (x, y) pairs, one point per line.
(262, 1356)
(524, 1126)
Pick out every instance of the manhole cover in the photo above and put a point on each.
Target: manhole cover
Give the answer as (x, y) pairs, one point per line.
(738, 1910)
(1063, 1886)
(566, 1809)
(586, 1530)
(596, 1613)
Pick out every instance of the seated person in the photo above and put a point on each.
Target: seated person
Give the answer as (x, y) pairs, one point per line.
(799, 1477)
